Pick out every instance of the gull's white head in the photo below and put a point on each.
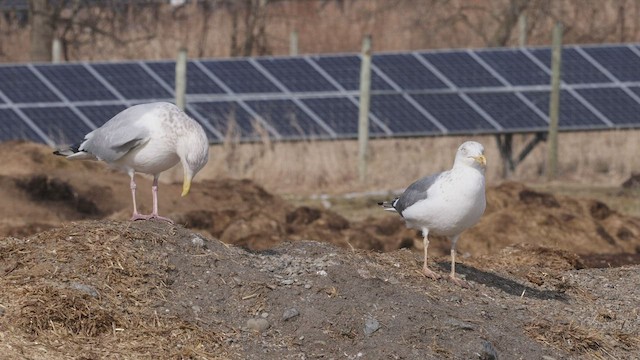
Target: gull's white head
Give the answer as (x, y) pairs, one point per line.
(471, 153)
(193, 151)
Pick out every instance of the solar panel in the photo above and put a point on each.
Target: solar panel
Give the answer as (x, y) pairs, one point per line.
(340, 114)
(413, 94)
(20, 85)
(400, 116)
(509, 111)
(620, 61)
(241, 76)
(346, 71)
(59, 123)
(454, 113)
(407, 72)
(100, 114)
(297, 75)
(288, 119)
(572, 113)
(197, 81)
(13, 128)
(515, 67)
(576, 69)
(132, 81)
(615, 104)
(75, 82)
(229, 118)
(462, 69)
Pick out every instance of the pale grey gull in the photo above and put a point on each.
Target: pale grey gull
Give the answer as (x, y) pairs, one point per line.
(146, 138)
(446, 203)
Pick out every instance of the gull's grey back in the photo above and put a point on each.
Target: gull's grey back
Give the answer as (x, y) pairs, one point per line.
(120, 134)
(415, 192)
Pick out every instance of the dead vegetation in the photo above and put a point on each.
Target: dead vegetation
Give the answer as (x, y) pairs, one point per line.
(214, 28)
(331, 166)
(90, 291)
(571, 338)
(111, 288)
(243, 213)
(96, 289)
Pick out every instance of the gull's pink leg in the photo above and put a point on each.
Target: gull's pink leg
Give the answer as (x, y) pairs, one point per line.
(425, 268)
(136, 215)
(452, 275)
(154, 190)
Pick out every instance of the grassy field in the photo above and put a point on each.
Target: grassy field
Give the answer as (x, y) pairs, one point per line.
(324, 173)
(588, 162)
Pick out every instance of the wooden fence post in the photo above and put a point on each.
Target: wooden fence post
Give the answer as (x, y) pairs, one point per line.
(554, 103)
(363, 111)
(293, 43)
(56, 51)
(181, 78)
(522, 30)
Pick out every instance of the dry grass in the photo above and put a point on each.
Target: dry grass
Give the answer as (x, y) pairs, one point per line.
(61, 302)
(578, 339)
(331, 166)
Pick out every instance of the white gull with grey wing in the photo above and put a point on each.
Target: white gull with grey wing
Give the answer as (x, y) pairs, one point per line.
(446, 203)
(147, 138)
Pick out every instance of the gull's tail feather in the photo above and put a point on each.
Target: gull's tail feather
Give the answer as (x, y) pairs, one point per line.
(389, 205)
(74, 153)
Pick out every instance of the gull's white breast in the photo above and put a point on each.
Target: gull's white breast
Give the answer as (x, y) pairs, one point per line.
(454, 203)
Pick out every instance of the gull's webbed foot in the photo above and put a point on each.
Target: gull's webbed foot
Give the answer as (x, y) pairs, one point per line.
(135, 217)
(429, 273)
(459, 282)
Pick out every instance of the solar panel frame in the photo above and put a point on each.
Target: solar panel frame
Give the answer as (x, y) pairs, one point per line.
(60, 123)
(575, 68)
(572, 113)
(452, 111)
(508, 110)
(21, 85)
(413, 93)
(288, 119)
(407, 72)
(240, 76)
(345, 70)
(613, 103)
(75, 82)
(100, 114)
(461, 69)
(621, 61)
(132, 81)
(13, 128)
(388, 108)
(515, 67)
(197, 81)
(296, 74)
(341, 114)
(220, 113)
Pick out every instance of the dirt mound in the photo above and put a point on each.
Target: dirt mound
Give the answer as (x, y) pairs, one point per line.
(91, 289)
(40, 191)
(46, 191)
(519, 215)
(152, 290)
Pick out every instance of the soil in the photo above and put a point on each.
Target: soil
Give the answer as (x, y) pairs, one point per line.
(246, 275)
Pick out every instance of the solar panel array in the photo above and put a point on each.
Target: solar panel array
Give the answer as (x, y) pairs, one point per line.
(422, 93)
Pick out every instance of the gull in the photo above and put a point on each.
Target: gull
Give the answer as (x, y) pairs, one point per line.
(146, 138)
(446, 203)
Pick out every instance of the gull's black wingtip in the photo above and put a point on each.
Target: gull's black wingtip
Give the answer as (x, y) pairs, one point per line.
(73, 149)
